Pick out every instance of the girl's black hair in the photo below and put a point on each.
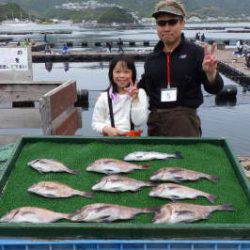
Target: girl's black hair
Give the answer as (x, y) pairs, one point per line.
(130, 64)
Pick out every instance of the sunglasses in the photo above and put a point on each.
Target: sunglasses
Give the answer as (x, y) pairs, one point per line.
(170, 22)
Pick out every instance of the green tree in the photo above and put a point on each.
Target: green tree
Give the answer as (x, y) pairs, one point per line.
(117, 15)
(11, 10)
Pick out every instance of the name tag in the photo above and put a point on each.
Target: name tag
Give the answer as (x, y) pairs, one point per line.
(169, 95)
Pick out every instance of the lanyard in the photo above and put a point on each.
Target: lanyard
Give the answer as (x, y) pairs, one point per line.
(111, 114)
(168, 69)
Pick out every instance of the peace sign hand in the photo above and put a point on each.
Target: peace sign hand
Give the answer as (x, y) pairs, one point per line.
(210, 63)
(132, 90)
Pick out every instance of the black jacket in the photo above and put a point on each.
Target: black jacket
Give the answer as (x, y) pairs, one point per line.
(186, 74)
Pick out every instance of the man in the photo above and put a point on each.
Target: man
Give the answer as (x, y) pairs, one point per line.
(173, 76)
(239, 46)
(120, 43)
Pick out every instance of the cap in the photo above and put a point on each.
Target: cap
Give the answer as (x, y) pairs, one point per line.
(165, 8)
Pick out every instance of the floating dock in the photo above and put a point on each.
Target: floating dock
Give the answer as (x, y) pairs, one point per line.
(232, 66)
(78, 56)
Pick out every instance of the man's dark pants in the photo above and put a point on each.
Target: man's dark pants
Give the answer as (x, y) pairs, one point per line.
(178, 121)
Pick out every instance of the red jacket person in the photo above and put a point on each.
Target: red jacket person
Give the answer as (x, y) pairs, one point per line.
(174, 74)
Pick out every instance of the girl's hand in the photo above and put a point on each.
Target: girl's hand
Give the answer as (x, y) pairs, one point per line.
(132, 90)
(110, 131)
(209, 64)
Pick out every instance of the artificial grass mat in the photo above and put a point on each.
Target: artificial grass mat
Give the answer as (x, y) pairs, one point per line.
(204, 157)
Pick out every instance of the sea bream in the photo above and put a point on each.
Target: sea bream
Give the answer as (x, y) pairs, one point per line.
(175, 174)
(174, 192)
(101, 212)
(151, 155)
(172, 213)
(33, 215)
(56, 190)
(48, 165)
(116, 183)
(113, 166)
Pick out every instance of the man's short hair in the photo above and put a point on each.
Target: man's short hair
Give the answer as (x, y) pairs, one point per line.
(169, 7)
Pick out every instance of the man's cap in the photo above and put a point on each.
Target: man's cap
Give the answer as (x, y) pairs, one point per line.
(165, 8)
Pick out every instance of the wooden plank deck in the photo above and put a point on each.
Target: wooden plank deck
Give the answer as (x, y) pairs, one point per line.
(239, 63)
(20, 118)
(25, 90)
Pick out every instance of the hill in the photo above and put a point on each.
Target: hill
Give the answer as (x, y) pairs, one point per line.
(117, 15)
(143, 8)
(10, 11)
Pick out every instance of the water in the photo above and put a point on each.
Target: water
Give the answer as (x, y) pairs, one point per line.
(230, 122)
(79, 34)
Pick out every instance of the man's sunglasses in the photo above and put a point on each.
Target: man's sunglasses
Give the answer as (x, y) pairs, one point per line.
(170, 22)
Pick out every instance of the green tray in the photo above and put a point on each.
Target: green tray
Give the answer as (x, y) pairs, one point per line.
(212, 156)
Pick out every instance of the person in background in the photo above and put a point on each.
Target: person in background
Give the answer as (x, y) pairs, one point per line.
(65, 49)
(239, 46)
(197, 36)
(203, 37)
(120, 43)
(245, 47)
(123, 105)
(174, 73)
(47, 49)
(45, 38)
(109, 46)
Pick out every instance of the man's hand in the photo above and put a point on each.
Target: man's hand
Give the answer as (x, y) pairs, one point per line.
(210, 63)
(110, 131)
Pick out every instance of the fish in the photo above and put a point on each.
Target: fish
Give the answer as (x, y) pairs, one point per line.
(113, 166)
(172, 213)
(49, 165)
(175, 174)
(101, 212)
(33, 215)
(174, 192)
(151, 155)
(56, 190)
(116, 183)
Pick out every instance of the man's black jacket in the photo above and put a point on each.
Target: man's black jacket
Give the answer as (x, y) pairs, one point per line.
(186, 74)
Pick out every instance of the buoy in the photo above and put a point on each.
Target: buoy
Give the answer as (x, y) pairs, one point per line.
(98, 44)
(225, 102)
(52, 45)
(48, 66)
(84, 44)
(131, 43)
(69, 44)
(228, 92)
(82, 98)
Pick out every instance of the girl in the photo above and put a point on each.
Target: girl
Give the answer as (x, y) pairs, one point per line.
(123, 104)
